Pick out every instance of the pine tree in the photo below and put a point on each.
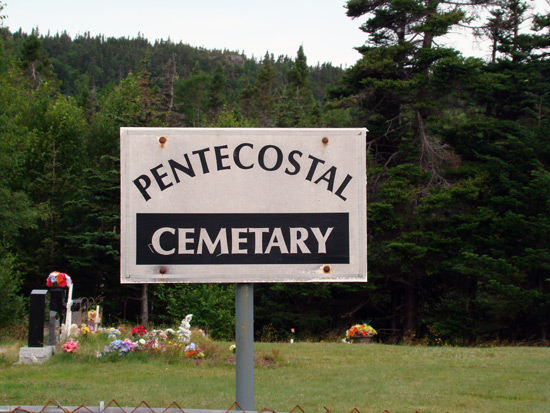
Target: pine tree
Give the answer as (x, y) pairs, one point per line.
(298, 75)
(264, 93)
(34, 60)
(399, 98)
(191, 97)
(217, 91)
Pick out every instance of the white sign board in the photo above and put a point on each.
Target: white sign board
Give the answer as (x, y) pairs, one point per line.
(243, 205)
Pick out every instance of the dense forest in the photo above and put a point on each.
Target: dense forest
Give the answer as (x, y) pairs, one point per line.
(458, 172)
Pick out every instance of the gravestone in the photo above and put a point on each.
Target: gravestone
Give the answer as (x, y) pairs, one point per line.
(35, 351)
(36, 318)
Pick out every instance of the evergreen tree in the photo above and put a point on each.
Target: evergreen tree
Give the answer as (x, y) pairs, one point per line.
(54, 163)
(508, 144)
(134, 102)
(18, 213)
(191, 97)
(298, 75)
(395, 86)
(34, 60)
(264, 92)
(458, 169)
(217, 91)
(2, 16)
(297, 106)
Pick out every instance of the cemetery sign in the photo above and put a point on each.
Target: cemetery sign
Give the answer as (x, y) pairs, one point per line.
(242, 205)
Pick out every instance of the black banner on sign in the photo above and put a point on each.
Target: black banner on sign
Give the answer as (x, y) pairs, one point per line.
(195, 239)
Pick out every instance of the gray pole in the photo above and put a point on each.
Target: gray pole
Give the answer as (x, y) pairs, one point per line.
(244, 339)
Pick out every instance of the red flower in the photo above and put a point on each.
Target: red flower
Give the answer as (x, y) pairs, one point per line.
(139, 330)
(58, 279)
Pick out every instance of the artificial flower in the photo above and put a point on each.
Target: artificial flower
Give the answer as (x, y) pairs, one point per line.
(92, 316)
(58, 279)
(139, 330)
(192, 350)
(360, 330)
(112, 333)
(152, 344)
(122, 346)
(70, 346)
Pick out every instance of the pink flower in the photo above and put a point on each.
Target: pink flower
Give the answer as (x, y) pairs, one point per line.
(70, 346)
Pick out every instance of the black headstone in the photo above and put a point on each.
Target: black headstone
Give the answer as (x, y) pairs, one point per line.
(37, 317)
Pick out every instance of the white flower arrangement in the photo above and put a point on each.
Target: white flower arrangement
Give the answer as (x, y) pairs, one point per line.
(184, 330)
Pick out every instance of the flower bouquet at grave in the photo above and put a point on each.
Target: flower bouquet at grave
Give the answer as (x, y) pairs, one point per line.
(70, 346)
(120, 346)
(138, 331)
(112, 332)
(93, 316)
(193, 351)
(58, 279)
(84, 330)
(149, 346)
(360, 331)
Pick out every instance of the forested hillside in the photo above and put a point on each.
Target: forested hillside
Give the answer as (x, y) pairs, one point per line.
(458, 170)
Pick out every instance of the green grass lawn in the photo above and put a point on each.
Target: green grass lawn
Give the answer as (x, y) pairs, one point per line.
(371, 378)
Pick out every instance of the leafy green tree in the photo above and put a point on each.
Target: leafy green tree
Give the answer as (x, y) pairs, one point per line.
(85, 96)
(41, 139)
(17, 211)
(212, 306)
(231, 119)
(13, 303)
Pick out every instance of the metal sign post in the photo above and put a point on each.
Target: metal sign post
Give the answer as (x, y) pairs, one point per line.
(244, 338)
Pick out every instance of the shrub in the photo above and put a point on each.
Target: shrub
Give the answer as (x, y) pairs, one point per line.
(12, 310)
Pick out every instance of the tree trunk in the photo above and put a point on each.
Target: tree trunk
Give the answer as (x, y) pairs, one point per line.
(144, 315)
(395, 310)
(411, 308)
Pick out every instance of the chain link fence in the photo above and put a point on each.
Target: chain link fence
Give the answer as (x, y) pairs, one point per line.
(114, 407)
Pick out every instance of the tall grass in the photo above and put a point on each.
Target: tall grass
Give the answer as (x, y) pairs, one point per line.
(371, 378)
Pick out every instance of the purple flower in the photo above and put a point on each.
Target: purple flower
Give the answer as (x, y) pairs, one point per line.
(121, 346)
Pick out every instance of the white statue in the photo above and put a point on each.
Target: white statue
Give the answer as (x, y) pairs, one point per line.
(184, 330)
